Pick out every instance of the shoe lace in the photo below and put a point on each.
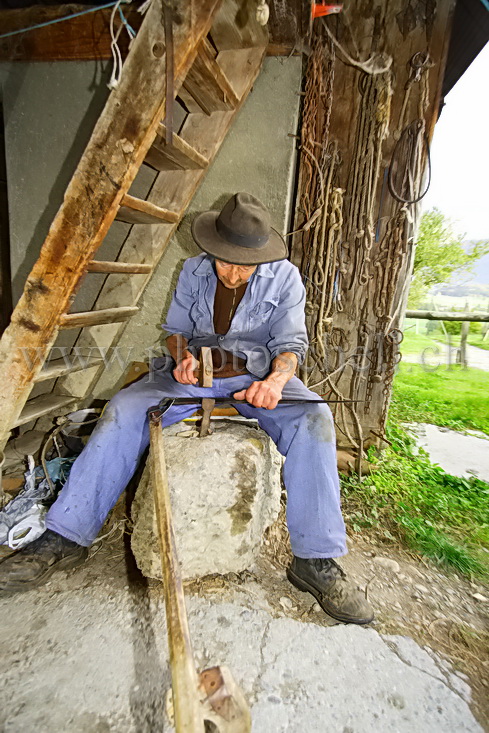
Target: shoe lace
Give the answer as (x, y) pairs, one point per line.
(330, 567)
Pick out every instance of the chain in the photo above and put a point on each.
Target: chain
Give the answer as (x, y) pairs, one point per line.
(372, 128)
(392, 341)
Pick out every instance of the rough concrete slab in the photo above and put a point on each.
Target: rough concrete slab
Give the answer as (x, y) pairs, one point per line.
(457, 453)
(94, 659)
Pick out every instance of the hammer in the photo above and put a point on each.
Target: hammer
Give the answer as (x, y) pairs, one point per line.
(206, 371)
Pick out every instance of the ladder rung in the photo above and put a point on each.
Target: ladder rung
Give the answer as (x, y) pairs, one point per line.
(45, 404)
(124, 267)
(60, 367)
(207, 84)
(177, 156)
(97, 318)
(137, 211)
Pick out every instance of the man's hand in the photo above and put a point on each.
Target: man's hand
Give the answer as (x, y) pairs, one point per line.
(184, 370)
(261, 394)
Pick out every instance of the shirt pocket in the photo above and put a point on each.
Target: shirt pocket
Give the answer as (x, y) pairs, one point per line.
(261, 313)
(198, 316)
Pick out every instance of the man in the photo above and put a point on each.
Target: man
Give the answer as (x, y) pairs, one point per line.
(244, 299)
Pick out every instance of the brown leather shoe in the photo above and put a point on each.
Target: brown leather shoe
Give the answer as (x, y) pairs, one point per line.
(326, 581)
(36, 562)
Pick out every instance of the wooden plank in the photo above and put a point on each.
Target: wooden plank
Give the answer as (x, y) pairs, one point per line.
(177, 156)
(46, 404)
(235, 26)
(82, 38)
(117, 148)
(444, 316)
(172, 189)
(207, 84)
(187, 101)
(186, 703)
(131, 268)
(238, 66)
(96, 318)
(60, 367)
(283, 49)
(136, 211)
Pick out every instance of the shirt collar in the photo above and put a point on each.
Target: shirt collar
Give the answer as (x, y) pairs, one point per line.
(205, 267)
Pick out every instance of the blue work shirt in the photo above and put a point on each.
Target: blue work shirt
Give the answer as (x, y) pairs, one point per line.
(270, 319)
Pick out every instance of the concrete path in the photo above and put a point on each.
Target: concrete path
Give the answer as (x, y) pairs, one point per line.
(457, 453)
(93, 659)
(438, 355)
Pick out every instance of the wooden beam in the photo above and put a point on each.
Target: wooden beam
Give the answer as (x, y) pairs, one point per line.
(129, 268)
(177, 156)
(83, 38)
(136, 211)
(96, 318)
(444, 316)
(207, 84)
(46, 404)
(282, 49)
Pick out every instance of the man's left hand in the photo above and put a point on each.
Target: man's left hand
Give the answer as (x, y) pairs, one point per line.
(261, 394)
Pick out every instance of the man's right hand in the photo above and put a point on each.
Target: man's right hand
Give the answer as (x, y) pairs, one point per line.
(184, 371)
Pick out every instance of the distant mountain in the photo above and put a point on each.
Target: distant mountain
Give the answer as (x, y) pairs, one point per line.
(481, 271)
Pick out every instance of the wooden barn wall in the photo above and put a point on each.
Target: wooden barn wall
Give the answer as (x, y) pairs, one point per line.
(355, 241)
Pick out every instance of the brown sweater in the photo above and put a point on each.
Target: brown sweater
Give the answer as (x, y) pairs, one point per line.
(226, 301)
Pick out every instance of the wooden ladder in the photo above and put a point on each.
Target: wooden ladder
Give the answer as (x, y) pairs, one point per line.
(215, 63)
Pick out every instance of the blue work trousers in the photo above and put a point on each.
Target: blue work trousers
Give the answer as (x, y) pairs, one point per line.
(304, 434)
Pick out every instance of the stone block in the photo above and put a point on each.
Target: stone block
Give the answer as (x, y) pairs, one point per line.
(225, 491)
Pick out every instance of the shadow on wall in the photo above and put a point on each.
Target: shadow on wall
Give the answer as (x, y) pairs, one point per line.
(50, 112)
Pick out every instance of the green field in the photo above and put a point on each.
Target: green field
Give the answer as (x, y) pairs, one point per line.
(406, 499)
(454, 398)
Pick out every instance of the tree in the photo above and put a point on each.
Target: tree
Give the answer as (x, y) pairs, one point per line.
(440, 255)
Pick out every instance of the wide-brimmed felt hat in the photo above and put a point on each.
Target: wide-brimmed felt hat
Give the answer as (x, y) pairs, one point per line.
(240, 234)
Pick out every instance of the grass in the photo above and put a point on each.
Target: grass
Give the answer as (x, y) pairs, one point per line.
(413, 344)
(453, 398)
(408, 499)
(475, 340)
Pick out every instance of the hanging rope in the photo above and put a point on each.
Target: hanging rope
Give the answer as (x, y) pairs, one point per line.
(378, 63)
(114, 47)
(412, 148)
(372, 128)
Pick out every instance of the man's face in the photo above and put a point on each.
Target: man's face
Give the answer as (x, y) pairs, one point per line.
(233, 276)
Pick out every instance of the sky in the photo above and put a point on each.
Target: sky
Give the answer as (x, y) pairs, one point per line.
(460, 153)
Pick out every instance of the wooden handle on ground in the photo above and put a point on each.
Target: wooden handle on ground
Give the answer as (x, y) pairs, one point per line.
(186, 701)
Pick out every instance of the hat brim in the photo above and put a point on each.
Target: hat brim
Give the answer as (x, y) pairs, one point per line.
(208, 238)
